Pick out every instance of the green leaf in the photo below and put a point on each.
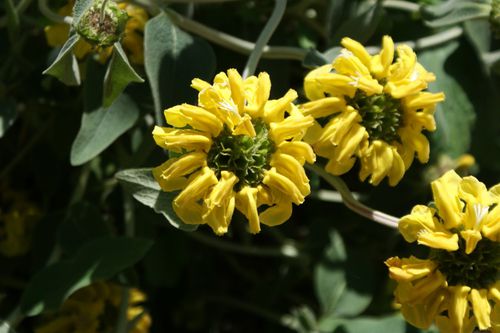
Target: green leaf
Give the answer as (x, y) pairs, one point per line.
(83, 223)
(340, 287)
(8, 116)
(172, 59)
(99, 259)
(362, 26)
(6, 328)
(388, 324)
(118, 75)
(101, 127)
(144, 188)
(455, 116)
(65, 67)
(479, 34)
(462, 11)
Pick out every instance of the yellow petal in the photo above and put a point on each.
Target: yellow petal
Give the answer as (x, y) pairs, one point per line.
(422, 315)
(246, 203)
(237, 88)
(458, 310)
(170, 175)
(245, 127)
(481, 307)
(312, 88)
(197, 188)
(196, 117)
(409, 269)
(219, 217)
(222, 191)
(471, 237)
(323, 107)
(293, 170)
(280, 183)
(276, 214)
(445, 192)
(178, 140)
(300, 150)
(358, 50)
(417, 291)
(380, 64)
(293, 127)
(275, 109)
(199, 84)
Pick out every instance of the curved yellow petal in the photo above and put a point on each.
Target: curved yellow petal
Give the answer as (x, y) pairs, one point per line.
(246, 203)
(312, 88)
(300, 150)
(222, 190)
(170, 175)
(178, 140)
(194, 116)
(323, 107)
(282, 184)
(481, 307)
(277, 214)
(358, 50)
(445, 192)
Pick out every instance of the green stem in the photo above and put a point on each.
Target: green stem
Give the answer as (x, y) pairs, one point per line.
(286, 250)
(20, 8)
(264, 37)
(233, 43)
(351, 202)
(402, 5)
(428, 41)
(48, 13)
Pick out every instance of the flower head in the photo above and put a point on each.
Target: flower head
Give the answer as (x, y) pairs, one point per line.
(95, 309)
(375, 108)
(18, 217)
(132, 37)
(235, 150)
(458, 286)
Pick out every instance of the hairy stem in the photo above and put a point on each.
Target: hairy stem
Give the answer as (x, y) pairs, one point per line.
(264, 37)
(351, 202)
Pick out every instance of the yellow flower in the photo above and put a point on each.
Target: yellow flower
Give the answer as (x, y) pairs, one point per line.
(235, 150)
(95, 309)
(458, 286)
(132, 41)
(375, 109)
(18, 217)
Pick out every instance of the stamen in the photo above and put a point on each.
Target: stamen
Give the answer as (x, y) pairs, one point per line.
(480, 211)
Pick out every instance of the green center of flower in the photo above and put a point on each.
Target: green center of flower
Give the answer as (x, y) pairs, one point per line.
(247, 157)
(381, 115)
(479, 269)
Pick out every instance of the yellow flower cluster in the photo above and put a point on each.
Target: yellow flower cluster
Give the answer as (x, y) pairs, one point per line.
(94, 309)
(18, 217)
(235, 150)
(375, 108)
(458, 287)
(133, 40)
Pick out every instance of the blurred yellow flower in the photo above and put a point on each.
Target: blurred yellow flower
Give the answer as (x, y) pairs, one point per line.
(18, 217)
(235, 150)
(458, 287)
(132, 41)
(375, 108)
(95, 309)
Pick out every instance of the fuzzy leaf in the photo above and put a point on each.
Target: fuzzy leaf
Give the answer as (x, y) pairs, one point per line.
(118, 75)
(172, 59)
(101, 127)
(144, 188)
(99, 259)
(462, 11)
(65, 67)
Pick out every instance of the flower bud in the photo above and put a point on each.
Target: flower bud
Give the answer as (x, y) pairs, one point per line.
(103, 23)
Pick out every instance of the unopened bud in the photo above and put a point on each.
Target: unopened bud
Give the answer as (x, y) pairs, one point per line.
(103, 23)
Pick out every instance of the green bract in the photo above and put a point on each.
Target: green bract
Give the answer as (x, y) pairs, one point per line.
(103, 23)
